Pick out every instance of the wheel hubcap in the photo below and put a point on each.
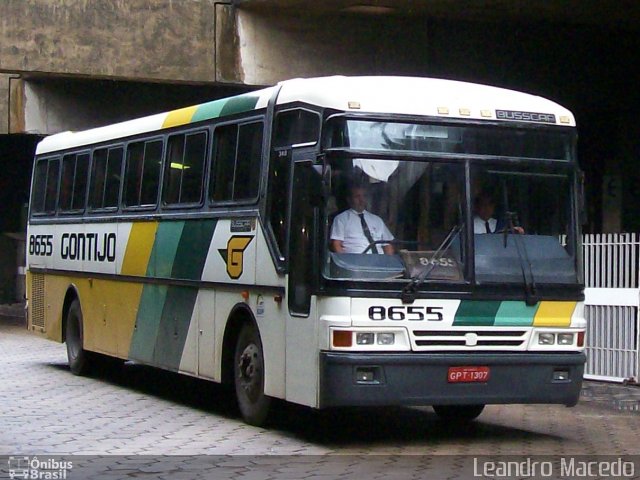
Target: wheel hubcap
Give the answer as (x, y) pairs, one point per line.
(249, 371)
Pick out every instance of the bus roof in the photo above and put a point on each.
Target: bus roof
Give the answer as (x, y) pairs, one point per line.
(384, 95)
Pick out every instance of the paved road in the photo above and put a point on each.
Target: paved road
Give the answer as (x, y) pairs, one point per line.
(134, 410)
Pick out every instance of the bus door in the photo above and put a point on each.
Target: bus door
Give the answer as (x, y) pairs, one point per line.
(303, 266)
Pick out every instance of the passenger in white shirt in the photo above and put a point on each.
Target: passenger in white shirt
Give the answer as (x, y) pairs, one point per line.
(483, 221)
(355, 229)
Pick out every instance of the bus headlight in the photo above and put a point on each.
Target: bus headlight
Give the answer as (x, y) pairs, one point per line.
(546, 338)
(565, 339)
(364, 338)
(385, 338)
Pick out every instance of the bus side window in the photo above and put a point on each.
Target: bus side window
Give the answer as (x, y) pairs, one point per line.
(247, 177)
(278, 204)
(39, 182)
(74, 182)
(235, 174)
(296, 126)
(52, 186)
(183, 179)
(104, 187)
(291, 127)
(226, 142)
(142, 173)
(113, 177)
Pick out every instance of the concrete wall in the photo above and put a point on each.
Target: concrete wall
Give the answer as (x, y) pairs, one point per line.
(4, 104)
(136, 39)
(274, 47)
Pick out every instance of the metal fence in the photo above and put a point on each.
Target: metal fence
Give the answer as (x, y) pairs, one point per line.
(612, 303)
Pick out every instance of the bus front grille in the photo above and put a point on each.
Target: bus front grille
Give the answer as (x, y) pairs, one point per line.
(464, 339)
(37, 300)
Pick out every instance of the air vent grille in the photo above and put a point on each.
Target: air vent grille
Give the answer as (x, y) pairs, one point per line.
(37, 300)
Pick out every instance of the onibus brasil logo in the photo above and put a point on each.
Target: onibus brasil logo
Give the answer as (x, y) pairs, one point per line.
(34, 468)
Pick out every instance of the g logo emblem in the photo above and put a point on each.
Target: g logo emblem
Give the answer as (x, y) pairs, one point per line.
(233, 256)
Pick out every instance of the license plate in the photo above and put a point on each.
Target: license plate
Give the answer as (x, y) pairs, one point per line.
(468, 374)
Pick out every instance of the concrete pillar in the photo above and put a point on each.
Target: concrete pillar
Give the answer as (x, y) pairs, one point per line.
(4, 103)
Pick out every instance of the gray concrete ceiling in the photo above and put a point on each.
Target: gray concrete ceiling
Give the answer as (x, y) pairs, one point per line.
(609, 14)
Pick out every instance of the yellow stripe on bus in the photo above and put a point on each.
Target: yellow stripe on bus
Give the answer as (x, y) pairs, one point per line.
(139, 246)
(179, 117)
(554, 314)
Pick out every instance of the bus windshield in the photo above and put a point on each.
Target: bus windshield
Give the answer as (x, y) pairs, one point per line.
(522, 225)
(396, 220)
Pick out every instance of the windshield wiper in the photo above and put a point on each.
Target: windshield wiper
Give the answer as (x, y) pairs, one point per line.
(511, 220)
(530, 289)
(409, 290)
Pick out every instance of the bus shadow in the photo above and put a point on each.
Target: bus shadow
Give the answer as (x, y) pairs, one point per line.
(175, 387)
(337, 427)
(369, 426)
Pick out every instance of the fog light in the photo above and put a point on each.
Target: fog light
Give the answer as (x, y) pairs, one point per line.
(364, 375)
(560, 376)
(546, 339)
(386, 338)
(565, 339)
(364, 338)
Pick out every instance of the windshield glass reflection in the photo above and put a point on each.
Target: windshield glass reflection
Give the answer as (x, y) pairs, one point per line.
(389, 219)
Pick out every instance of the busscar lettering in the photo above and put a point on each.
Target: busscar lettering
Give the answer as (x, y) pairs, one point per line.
(525, 116)
(92, 247)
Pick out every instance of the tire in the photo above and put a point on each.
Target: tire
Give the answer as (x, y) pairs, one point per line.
(77, 356)
(458, 413)
(248, 372)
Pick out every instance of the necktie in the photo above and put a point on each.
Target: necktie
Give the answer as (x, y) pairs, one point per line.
(367, 233)
(486, 225)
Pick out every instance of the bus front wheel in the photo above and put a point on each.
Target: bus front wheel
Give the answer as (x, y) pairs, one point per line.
(458, 413)
(249, 377)
(77, 356)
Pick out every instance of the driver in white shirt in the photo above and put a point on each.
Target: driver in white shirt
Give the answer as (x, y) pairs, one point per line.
(355, 230)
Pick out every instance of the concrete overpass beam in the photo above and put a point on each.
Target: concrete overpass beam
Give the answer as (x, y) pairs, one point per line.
(274, 46)
(160, 40)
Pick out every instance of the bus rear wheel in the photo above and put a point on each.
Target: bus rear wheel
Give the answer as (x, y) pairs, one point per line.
(77, 356)
(249, 377)
(458, 413)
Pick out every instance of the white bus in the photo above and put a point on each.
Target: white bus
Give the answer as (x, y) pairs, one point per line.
(339, 241)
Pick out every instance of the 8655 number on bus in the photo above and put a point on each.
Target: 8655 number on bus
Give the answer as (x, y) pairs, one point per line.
(403, 312)
(41, 245)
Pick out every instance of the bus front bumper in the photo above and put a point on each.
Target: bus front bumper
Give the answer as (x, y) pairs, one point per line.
(377, 379)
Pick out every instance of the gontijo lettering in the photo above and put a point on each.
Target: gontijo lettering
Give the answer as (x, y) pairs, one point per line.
(88, 246)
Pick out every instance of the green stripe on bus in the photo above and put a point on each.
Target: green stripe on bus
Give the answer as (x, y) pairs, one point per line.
(164, 249)
(193, 249)
(240, 104)
(208, 110)
(144, 336)
(476, 313)
(515, 314)
(174, 326)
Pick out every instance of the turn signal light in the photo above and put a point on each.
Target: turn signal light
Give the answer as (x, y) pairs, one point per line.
(581, 339)
(342, 338)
